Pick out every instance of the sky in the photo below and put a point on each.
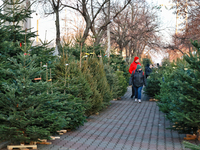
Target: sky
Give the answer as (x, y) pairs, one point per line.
(47, 29)
(168, 24)
(166, 17)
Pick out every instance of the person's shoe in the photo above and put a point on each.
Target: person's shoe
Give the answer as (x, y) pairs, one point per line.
(136, 100)
(139, 100)
(132, 96)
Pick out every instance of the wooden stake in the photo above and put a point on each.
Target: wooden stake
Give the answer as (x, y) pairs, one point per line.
(47, 76)
(22, 146)
(40, 69)
(54, 137)
(80, 54)
(51, 80)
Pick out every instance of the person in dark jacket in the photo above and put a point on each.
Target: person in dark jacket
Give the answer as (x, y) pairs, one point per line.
(148, 70)
(138, 80)
(132, 68)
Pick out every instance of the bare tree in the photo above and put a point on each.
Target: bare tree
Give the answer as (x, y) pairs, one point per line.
(49, 7)
(135, 29)
(187, 30)
(94, 13)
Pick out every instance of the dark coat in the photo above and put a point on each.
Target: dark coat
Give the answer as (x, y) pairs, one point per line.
(147, 70)
(138, 78)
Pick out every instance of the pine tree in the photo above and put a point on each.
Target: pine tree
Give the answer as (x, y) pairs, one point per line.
(96, 97)
(26, 106)
(191, 146)
(12, 33)
(113, 81)
(72, 81)
(97, 70)
(179, 96)
(14, 38)
(153, 83)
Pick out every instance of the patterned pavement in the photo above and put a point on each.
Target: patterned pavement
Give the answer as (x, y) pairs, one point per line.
(124, 125)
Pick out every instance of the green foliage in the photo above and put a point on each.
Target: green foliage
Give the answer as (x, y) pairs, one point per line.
(165, 62)
(73, 52)
(11, 35)
(74, 111)
(113, 81)
(96, 68)
(179, 94)
(71, 80)
(191, 146)
(122, 84)
(146, 61)
(22, 118)
(118, 64)
(153, 83)
(14, 40)
(97, 99)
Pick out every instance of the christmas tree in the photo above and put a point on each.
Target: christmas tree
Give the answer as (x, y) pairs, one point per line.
(153, 83)
(191, 146)
(14, 37)
(113, 81)
(96, 68)
(26, 106)
(179, 96)
(72, 81)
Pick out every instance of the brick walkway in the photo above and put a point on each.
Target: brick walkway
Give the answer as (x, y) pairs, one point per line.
(125, 125)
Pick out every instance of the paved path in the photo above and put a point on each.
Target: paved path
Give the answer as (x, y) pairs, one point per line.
(125, 125)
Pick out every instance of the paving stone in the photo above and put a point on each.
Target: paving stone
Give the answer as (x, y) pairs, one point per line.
(125, 125)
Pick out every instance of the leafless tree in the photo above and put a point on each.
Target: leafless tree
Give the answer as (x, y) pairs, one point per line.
(94, 14)
(189, 28)
(49, 7)
(135, 29)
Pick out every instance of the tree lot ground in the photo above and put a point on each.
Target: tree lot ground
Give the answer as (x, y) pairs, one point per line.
(123, 125)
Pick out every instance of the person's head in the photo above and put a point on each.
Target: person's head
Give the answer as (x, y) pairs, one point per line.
(139, 68)
(136, 59)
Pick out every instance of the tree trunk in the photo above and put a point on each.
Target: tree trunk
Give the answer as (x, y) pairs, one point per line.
(85, 34)
(108, 29)
(58, 31)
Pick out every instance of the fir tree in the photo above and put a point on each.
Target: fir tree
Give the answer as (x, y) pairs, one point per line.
(113, 81)
(97, 70)
(179, 96)
(14, 38)
(96, 97)
(191, 146)
(25, 112)
(153, 83)
(72, 81)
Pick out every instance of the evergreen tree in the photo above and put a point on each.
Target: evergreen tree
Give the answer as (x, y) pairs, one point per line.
(179, 96)
(72, 81)
(146, 61)
(14, 38)
(113, 81)
(153, 83)
(97, 70)
(118, 64)
(26, 106)
(191, 146)
(122, 84)
(96, 97)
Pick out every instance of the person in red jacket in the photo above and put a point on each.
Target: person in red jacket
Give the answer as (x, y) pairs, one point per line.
(133, 67)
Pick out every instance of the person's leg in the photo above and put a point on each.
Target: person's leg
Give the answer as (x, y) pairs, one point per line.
(140, 94)
(133, 92)
(136, 92)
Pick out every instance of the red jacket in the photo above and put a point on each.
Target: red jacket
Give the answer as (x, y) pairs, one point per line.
(133, 65)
